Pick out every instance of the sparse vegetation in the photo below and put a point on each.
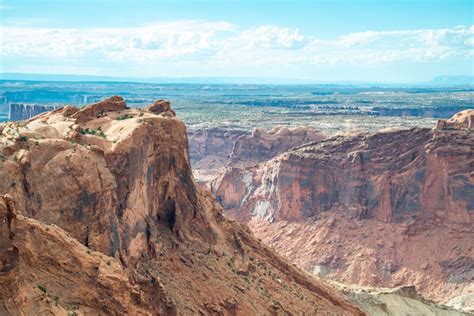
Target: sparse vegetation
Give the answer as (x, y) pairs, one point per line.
(23, 138)
(42, 288)
(101, 114)
(158, 239)
(88, 131)
(70, 307)
(123, 117)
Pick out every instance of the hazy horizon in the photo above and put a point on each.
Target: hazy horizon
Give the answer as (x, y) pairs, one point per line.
(438, 80)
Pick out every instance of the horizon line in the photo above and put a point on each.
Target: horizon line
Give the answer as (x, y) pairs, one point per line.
(66, 77)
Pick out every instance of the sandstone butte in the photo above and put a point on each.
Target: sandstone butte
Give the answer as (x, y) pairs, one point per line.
(379, 209)
(100, 215)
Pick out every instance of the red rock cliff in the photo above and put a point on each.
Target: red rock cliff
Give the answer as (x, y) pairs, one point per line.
(213, 149)
(100, 214)
(379, 209)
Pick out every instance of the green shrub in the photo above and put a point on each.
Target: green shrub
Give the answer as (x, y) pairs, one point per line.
(88, 131)
(123, 117)
(84, 131)
(42, 289)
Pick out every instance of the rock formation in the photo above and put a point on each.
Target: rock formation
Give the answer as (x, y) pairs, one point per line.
(213, 149)
(160, 106)
(463, 119)
(100, 214)
(263, 145)
(210, 149)
(379, 209)
(24, 111)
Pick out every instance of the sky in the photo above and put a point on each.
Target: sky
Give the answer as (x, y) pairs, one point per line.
(300, 41)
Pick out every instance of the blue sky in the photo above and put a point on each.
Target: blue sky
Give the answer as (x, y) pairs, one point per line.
(367, 40)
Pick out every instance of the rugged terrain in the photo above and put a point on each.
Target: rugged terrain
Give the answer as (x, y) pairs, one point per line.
(398, 301)
(380, 209)
(100, 214)
(211, 150)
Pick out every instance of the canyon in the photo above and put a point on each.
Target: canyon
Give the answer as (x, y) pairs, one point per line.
(113, 210)
(212, 150)
(100, 214)
(383, 209)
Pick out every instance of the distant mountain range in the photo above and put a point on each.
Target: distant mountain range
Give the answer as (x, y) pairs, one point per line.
(441, 80)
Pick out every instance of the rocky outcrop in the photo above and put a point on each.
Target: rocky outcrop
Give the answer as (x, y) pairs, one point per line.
(213, 149)
(210, 149)
(100, 214)
(50, 273)
(379, 209)
(463, 119)
(161, 106)
(262, 145)
(99, 109)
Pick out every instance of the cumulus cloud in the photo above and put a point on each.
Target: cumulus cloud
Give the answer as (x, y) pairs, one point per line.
(220, 44)
(428, 45)
(271, 37)
(155, 40)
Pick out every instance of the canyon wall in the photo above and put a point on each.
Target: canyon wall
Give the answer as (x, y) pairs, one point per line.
(100, 214)
(24, 111)
(211, 150)
(378, 209)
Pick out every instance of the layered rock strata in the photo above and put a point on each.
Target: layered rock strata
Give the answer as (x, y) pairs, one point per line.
(379, 209)
(100, 214)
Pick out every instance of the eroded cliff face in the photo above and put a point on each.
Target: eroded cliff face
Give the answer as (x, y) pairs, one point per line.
(100, 214)
(418, 173)
(211, 150)
(380, 209)
(263, 145)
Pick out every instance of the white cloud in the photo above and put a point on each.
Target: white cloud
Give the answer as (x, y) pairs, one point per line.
(222, 45)
(158, 40)
(394, 46)
(271, 37)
